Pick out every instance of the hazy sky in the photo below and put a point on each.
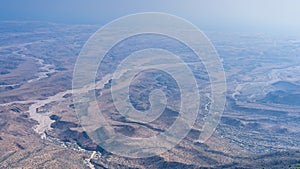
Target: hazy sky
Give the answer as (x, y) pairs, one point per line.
(238, 14)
